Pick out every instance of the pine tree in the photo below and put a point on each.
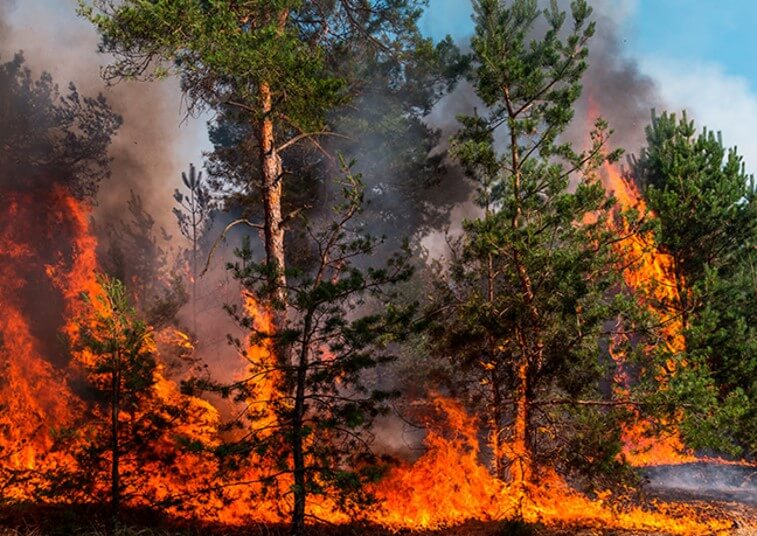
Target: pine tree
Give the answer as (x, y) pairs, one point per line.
(705, 205)
(268, 62)
(533, 280)
(193, 214)
(311, 420)
(132, 427)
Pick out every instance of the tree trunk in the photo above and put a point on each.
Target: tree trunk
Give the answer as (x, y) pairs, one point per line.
(496, 427)
(193, 204)
(522, 463)
(298, 450)
(115, 490)
(270, 166)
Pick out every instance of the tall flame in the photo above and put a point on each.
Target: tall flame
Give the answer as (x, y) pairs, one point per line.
(649, 272)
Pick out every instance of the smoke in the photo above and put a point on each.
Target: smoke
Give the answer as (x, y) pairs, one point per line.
(149, 151)
(705, 481)
(154, 143)
(616, 87)
(5, 7)
(613, 85)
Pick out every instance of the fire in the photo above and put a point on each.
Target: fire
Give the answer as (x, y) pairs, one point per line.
(650, 272)
(449, 485)
(51, 262)
(34, 400)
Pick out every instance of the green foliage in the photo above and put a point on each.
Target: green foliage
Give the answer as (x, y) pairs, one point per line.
(392, 76)
(706, 209)
(700, 193)
(345, 77)
(121, 343)
(320, 400)
(534, 278)
(217, 45)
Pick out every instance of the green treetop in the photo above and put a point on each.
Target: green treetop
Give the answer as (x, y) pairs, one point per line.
(706, 208)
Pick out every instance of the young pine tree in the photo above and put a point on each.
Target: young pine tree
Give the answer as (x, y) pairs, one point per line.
(533, 280)
(311, 418)
(130, 435)
(193, 214)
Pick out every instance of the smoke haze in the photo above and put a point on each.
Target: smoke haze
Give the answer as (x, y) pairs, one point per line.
(154, 144)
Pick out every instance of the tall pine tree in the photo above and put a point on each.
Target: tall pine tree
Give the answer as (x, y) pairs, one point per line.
(533, 280)
(706, 208)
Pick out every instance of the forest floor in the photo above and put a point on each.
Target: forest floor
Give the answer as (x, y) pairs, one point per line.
(743, 516)
(34, 520)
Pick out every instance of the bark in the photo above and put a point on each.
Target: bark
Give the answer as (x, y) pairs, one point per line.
(115, 490)
(298, 451)
(270, 166)
(496, 427)
(522, 463)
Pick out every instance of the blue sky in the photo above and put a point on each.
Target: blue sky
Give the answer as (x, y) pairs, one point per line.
(709, 31)
(702, 54)
(687, 30)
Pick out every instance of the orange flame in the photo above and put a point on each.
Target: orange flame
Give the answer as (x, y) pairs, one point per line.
(447, 485)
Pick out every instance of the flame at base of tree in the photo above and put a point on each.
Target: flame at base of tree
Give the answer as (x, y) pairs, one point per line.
(449, 485)
(649, 272)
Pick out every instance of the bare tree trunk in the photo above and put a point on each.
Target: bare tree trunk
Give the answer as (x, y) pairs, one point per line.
(496, 427)
(115, 490)
(522, 463)
(193, 204)
(298, 451)
(270, 166)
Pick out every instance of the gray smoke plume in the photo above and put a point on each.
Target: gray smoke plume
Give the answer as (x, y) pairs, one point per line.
(704, 481)
(616, 89)
(151, 148)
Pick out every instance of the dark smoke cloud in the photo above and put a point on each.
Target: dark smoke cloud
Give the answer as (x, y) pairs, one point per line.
(616, 87)
(151, 148)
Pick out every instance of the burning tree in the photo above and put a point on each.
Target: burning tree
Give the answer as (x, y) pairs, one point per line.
(53, 154)
(119, 357)
(704, 205)
(534, 279)
(138, 422)
(309, 419)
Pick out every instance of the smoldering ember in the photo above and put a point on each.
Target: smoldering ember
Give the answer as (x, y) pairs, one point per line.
(495, 284)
